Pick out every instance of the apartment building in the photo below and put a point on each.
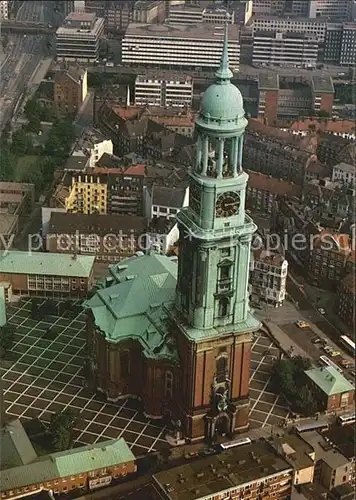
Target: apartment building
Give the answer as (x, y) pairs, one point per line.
(268, 277)
(314, 27)
(47, 274)
(4, 9)
(78, 38)
(272, 48)
(268, 7)
(260, 473)
(109, 238)
(166, 91)
(85, 468)
(92, 144)
(88, 195)
(348, 45)
(70, 90)
(344, 173)
(332, 9)
(15, 200)
(162, 234)
(346, 299)
(179, 46)
(163, 201)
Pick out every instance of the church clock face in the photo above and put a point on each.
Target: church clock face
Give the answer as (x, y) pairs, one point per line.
(194, 198)
(227, 204)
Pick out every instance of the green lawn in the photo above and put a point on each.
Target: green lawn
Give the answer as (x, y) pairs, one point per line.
(25, 164)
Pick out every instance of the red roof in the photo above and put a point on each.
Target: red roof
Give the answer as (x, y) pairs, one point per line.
(136, 170)
(325, 125)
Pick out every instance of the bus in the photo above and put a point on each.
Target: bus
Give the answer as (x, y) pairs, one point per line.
(348, 344)
(326, 361)
(235, 443)
(346, 419)
(314, 426)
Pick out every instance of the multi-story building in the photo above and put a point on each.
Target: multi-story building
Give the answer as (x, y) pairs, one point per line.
(47, 274)
(328, 257)
(314, 27)
(93, 145)
(166, 202)
(263, 190)
(268, 7)
(344, 173)
(284, 49)
(178, 46)
(109, 238)
(348, 45)
(70, 90)
(162, 234)
(339, 10)
(238, 467)
(4, 9)
(78, 38)
(91, 467)
(268, 277)
(184, 346)
(333, 41)
(341, 436)
(88, 195)
(185, 14)
(119, 15)
(330, 388)
(165, 91)
(346, 299)
(15, 200)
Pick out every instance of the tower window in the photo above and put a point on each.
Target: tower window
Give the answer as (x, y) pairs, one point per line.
(224, 272)
(221, 369)
(224, 307)
(125, 363)
(168, 384)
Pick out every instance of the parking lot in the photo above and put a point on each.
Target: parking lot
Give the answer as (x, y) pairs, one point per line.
(47, 377)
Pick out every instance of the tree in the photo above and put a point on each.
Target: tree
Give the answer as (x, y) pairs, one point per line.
(6, 338)
(20, 142)
(323, 113)
(5, 135)
(61, 429)
(301, 364)
(7, 162)
(305, 402)
(34, 125)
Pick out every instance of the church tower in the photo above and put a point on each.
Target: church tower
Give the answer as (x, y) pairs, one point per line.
(212, 318)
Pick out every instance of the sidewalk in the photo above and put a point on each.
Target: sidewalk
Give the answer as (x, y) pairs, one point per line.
(284, 341)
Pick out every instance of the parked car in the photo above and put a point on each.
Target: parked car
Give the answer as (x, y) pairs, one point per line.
(334, 354)
(302, 324)
(321, 310)
(316, 340)
(191, 454)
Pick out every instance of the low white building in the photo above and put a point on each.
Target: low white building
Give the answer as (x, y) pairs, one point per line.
(345, 173)
(162, 201)
(315, 27)
(164, 91)
(268, 277)
(92, 144)
(4, 9)
(162, 234)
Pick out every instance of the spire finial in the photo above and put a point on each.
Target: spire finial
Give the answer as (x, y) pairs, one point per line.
(224, 74)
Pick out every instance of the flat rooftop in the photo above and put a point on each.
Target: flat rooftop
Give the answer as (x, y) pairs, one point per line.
(163, 76)
(316, 20)
(325, 450)
(234, 467)
(284, 35)
(93, 29)
(268, 81)
(296, 449)
(191, 31)
(85, 17)
(323, 84)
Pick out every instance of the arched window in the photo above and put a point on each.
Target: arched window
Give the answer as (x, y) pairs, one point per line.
(168, 384)
(221, 369)
(224, 307)
(125, 363)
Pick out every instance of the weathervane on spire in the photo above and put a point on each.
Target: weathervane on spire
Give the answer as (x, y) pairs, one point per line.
(223, 74)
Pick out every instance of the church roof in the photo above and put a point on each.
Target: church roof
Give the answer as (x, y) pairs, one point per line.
(129, 303)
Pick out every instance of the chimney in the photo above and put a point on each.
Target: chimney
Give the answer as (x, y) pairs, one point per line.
(128, 96)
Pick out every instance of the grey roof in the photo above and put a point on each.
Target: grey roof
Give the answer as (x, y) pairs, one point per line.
(323, 84)
(200, 31)
(15, 447)
(168, 197)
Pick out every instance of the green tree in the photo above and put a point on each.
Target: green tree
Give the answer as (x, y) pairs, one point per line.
(323, 113)
(61, 429)
(34, 125)
(33, 109)
(283, 377)
(301, 364)
(20, 142)
(5, 135)
(305, 401)
(6, 339)
(7, 162)
(60, 139)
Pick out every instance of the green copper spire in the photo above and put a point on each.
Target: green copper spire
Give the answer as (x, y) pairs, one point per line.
(223, 74)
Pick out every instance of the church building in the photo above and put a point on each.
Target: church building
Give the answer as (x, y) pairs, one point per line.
(176, 332)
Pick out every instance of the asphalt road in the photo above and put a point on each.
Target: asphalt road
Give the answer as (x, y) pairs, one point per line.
(24, 55)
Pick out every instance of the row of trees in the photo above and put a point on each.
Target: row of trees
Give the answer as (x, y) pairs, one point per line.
(288, 378)
(6, 339)
(35, 112)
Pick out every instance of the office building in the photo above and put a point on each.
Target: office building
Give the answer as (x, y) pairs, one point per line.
(284, 49)
(253, 471)
(348, 45)
(178, 46)
(70, 91)
(334, 10)
(333, 40)
(78, 38)
(268, 7)
(179, 336)
(268, 277)
(156, 89)
(313, 27)
(4, 9)
(194, 14)
(47, 274)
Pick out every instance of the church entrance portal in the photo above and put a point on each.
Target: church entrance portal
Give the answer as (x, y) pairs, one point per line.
(222, 426)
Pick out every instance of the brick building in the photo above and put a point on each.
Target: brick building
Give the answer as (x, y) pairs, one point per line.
(47, 274)
(70, 90)
(346, 299)
(331, 389)
(109, 238)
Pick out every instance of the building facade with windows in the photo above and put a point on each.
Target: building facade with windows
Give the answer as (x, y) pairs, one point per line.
(70, 91)
(348, 45)
(47, 274)
(4, 9)
(78, 38)
(345, 300)
(179, 336)
(315, 27)
(178, 46)
(158, 90)
(332, 9)
(268, 277)
(165, 201)
(284, 49)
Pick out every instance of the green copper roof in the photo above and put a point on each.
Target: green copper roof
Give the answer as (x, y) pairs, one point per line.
(52, 264)
(222, 104)
(2, 306)
(67, 463)
(130, 303)
(329, 380)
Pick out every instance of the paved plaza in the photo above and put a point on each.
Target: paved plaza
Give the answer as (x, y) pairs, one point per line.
(47, 376)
